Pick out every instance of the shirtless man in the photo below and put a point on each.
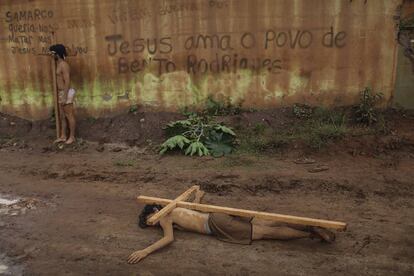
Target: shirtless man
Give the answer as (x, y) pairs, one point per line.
(223, 227)
(65, 94)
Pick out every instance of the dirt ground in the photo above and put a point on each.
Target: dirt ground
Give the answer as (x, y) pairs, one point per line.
(78, 213)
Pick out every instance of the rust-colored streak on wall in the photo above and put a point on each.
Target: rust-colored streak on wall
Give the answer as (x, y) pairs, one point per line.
(166, 55)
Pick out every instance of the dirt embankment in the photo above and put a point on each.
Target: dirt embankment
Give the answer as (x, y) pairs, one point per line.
(259, 132)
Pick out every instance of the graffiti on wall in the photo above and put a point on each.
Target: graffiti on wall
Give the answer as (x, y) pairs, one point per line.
(231, 51)
(29, 31)
(122, 14)
(32, 31)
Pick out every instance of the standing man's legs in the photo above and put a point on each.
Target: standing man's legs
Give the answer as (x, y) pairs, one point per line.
(63, 125)
(70, 115)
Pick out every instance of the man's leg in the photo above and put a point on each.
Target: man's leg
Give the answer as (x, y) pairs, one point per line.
(268, 230)
(262, 232)
(72, 122)
(270, 223)
(62, 134)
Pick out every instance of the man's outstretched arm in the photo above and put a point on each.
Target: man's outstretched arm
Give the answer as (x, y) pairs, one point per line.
(166, 224)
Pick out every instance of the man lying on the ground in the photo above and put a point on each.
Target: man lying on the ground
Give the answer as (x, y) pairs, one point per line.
(224, 227)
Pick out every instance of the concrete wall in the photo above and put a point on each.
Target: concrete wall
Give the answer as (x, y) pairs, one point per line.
(404, 85)
(166, 55)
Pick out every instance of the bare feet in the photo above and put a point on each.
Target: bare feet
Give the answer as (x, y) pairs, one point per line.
(323, 234)
(70, 141)
(59, 140)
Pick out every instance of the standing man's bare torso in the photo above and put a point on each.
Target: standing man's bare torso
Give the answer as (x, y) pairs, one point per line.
(61, 70)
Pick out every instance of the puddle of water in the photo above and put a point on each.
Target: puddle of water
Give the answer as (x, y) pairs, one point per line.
(3, 269)
(12, 205)
(7, 202)
(7, 269)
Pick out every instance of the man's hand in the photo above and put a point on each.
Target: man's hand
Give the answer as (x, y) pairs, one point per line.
(137, 256)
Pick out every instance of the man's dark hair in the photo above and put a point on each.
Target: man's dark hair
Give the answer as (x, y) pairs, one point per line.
(59, 49)
(146, 211)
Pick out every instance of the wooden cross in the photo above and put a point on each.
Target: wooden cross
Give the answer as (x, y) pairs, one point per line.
(55, 93)
(180, 202)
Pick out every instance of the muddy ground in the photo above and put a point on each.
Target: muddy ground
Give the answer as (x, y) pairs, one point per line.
(78, 214)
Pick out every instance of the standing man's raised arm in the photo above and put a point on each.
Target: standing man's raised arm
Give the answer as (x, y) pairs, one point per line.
(167, 227)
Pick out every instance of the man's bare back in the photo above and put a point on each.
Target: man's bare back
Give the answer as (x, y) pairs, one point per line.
(224, 227)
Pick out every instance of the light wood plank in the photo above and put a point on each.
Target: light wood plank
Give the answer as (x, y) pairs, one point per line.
(247, 213)
(171, 205)
(56, 101)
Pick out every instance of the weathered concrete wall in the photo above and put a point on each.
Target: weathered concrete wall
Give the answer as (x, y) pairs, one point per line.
(170, 54)
(404, 85)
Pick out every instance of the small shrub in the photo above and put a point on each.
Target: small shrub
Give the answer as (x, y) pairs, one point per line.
(259, 128)
(365, 112)
(216, 108)
(322, 133)
(133, 108)
(302, 111)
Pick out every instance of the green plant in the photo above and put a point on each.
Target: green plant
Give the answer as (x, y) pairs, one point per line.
(302, 111)
(133, 108)
(329, 116)
(365, 112)
(322, 133)
(322, 127)
(198, 135)
(259, 128)
(216, 108)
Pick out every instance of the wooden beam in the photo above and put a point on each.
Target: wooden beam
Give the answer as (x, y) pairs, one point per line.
(246, 213)
(56, 98)
(55, 92)
(171, 205)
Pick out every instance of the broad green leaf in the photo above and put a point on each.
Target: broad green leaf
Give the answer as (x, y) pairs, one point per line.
(220, 144)
(187, 152)
(219, 149)
(173, 142)
(193, 148)
(189, 135)
(225, 129)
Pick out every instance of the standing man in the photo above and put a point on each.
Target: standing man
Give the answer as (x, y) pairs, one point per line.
(65, 94)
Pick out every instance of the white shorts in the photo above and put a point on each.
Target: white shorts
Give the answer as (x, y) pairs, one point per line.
(70, 97)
